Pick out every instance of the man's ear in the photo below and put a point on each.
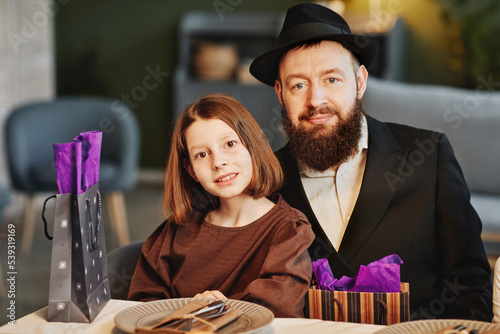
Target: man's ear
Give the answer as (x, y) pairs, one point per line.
(277, 89)
(190, 169)
(361, 77)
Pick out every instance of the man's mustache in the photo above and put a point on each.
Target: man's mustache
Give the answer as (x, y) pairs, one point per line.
(318, 111)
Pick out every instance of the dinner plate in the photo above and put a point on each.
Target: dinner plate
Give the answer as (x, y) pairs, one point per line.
(434, 326)
(254, 318)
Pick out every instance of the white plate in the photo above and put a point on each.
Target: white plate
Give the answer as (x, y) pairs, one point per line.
(254, 318)
(433, 326)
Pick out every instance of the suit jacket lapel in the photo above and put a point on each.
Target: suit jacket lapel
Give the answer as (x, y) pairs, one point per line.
(385, 161)
(293, 191)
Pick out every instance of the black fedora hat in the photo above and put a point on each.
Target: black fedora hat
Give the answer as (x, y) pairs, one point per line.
(307, 23)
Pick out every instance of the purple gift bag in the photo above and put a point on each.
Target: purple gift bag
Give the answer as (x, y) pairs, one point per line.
(374, 296)
(79, 286)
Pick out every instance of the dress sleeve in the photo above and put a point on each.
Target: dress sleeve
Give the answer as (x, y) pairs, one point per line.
(466, 270)
(286, 273)
(151, 280)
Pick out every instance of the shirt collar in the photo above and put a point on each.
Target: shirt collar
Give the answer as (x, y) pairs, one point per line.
(362, 145)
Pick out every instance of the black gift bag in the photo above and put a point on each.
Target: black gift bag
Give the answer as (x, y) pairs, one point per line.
(79, 286)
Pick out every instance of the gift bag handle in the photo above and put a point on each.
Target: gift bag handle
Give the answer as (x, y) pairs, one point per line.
(340, 308)
(94, 235)
(45, 230)
(382, 318)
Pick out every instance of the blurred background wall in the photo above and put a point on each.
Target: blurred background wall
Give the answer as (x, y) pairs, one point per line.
(108, 47)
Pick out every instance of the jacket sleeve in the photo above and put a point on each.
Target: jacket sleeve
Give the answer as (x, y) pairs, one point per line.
(466, 285)
(286, 273)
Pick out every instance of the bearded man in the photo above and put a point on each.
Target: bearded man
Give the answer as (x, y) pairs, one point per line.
(352, 177)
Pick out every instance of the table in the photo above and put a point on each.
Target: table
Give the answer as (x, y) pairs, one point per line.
(36, 323)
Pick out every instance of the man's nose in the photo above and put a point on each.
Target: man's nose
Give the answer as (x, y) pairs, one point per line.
(317, 96)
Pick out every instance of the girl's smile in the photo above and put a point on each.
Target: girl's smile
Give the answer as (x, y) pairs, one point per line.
(223, 180)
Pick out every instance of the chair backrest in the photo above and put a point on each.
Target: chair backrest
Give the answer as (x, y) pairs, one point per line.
(31, 129)
(121, 266)
(4, 201)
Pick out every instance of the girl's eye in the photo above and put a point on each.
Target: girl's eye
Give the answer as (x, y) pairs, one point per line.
(231, 143)
(200, 155)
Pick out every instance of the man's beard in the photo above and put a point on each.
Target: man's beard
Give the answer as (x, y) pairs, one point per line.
(321, 147)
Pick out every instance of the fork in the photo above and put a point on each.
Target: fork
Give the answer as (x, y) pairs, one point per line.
(212, 308)
(188, 325)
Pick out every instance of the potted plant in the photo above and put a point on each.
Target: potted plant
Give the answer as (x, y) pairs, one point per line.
(479, 24)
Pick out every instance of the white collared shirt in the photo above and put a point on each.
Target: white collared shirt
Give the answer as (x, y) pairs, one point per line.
(333, 194)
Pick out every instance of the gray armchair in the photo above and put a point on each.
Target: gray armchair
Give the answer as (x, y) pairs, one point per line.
(4, 201)
(121, 266)
(30, 131)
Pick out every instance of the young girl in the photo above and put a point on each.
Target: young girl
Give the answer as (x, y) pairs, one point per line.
(226, 236)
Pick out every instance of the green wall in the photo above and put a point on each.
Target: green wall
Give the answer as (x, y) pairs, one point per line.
(110, 48)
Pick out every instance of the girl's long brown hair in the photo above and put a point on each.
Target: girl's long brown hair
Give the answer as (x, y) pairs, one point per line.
(183, 195)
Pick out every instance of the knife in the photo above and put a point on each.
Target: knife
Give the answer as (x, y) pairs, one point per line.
(195, 308)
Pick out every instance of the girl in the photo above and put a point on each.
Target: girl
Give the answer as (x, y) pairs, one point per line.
(225, 238)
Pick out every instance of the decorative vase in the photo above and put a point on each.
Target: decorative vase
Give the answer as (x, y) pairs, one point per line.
(215, 61)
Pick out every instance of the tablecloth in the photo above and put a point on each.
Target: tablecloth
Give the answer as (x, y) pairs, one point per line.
(36, 323)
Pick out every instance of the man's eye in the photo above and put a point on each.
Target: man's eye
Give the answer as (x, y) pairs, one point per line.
(332, 80)
(299, 86)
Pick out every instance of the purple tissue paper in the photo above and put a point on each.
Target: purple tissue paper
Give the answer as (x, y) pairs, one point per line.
(77, 163)
(379, 276)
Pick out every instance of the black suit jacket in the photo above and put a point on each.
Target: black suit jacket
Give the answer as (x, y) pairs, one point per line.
(413, 202)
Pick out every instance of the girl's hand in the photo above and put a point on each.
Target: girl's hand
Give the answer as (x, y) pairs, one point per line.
(211, 294)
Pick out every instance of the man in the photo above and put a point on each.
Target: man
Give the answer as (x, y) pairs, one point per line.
(350, 173)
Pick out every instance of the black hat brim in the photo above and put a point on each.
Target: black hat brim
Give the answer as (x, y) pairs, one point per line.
(265, 66)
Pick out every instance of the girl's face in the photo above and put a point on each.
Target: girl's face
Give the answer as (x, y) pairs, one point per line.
(217, 158)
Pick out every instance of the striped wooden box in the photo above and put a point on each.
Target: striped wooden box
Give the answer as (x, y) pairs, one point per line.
(359, 307)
